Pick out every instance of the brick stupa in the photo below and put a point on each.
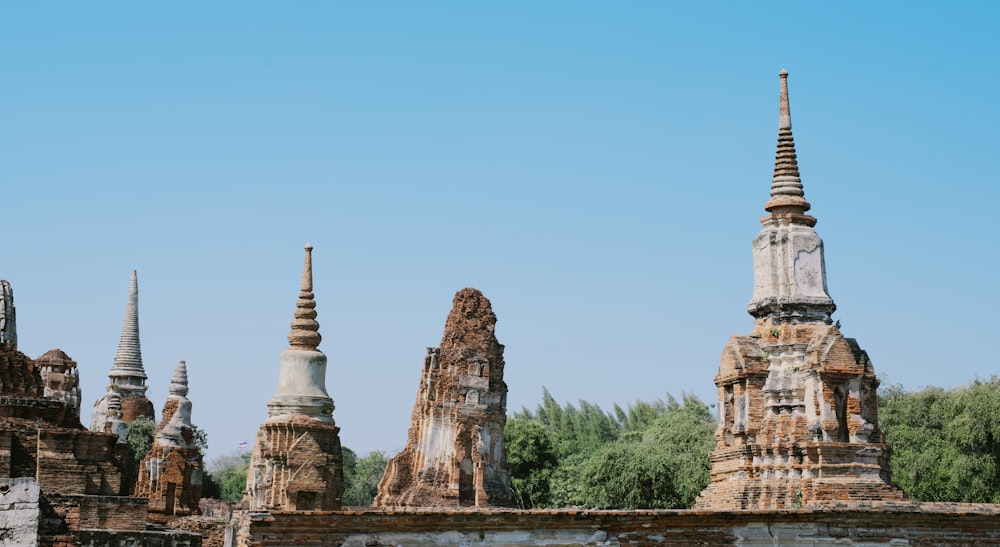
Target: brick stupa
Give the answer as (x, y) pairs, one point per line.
(297, 460)
(171, 474)
(798, 409)
(455, 452)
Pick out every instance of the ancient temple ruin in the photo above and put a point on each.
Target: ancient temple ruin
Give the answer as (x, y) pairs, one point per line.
(297, 462)
(128, 377)
(455, 453)
(8, 315)
(171, 474)
(60, 484)
(798, 408)
(60, 379)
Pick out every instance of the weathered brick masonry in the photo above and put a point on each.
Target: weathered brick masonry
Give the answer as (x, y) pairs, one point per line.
(798, 406)
(455, 454)
(871, 524)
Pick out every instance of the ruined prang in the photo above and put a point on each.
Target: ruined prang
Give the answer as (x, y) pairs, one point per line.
(127, 376)
(171, 474)
(8, 315)
(798, 409)
(297, 461)
(455, 452)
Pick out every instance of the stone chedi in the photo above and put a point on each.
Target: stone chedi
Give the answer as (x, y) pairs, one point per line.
(798, 410)
(128, 378)
(61, 379)
(297, 462)
(455, 453)
(171, 474)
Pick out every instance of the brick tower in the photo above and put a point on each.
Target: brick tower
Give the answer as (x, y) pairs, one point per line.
(171, 473)
(297, 460)
(798, 409)
(455, 455)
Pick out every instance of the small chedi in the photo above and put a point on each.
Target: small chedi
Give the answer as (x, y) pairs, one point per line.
(455, 452)
(8, 315)
(297, 461)
(61, 380)
(128, 377)
(798, 409)
(171, 474)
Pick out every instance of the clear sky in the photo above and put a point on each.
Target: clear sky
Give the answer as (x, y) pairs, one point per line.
(598, 170)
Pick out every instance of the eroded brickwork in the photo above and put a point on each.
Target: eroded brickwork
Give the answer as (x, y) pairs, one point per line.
(798, 403)
(878, 524)
(68, 476)
(297, 461)
(61, 380)
(171, 474)
(455, 454)
(297, 464)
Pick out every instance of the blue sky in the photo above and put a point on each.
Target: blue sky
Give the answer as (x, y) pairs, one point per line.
(596, 169)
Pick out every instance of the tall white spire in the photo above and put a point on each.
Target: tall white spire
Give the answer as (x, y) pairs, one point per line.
(127, 371)
(302, 374)
(789, 269)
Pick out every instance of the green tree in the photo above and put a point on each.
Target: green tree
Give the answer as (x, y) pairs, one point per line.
(200, 438)
(944, 443)
(361, 482)
(139, 438)
(532, 460)
(229, 472)
(627, 475)
(648, 455)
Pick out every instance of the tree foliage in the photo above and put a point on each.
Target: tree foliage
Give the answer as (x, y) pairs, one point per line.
(945, 443)
(648, 455)
(361, 476)
(139, 438)
(228, 475)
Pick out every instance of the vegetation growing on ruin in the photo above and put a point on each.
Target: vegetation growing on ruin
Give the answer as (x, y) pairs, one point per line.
(139, 438)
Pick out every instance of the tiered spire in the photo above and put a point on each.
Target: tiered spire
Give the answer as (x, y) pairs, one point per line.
(128, 360)
(179, 381)
(787, 197)
(305, 328)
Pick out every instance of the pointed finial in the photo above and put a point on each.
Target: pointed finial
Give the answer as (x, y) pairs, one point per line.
(784, 114)
(179, 381)
(787, 197)
(305, 328)
(128, 359)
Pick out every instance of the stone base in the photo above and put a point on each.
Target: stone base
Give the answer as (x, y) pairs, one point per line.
(871, 525)
(297, 464)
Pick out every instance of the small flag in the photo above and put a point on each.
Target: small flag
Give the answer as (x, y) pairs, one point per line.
(243, 445)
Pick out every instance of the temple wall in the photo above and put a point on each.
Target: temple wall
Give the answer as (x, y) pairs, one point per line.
(886, 524)
(19, 511)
